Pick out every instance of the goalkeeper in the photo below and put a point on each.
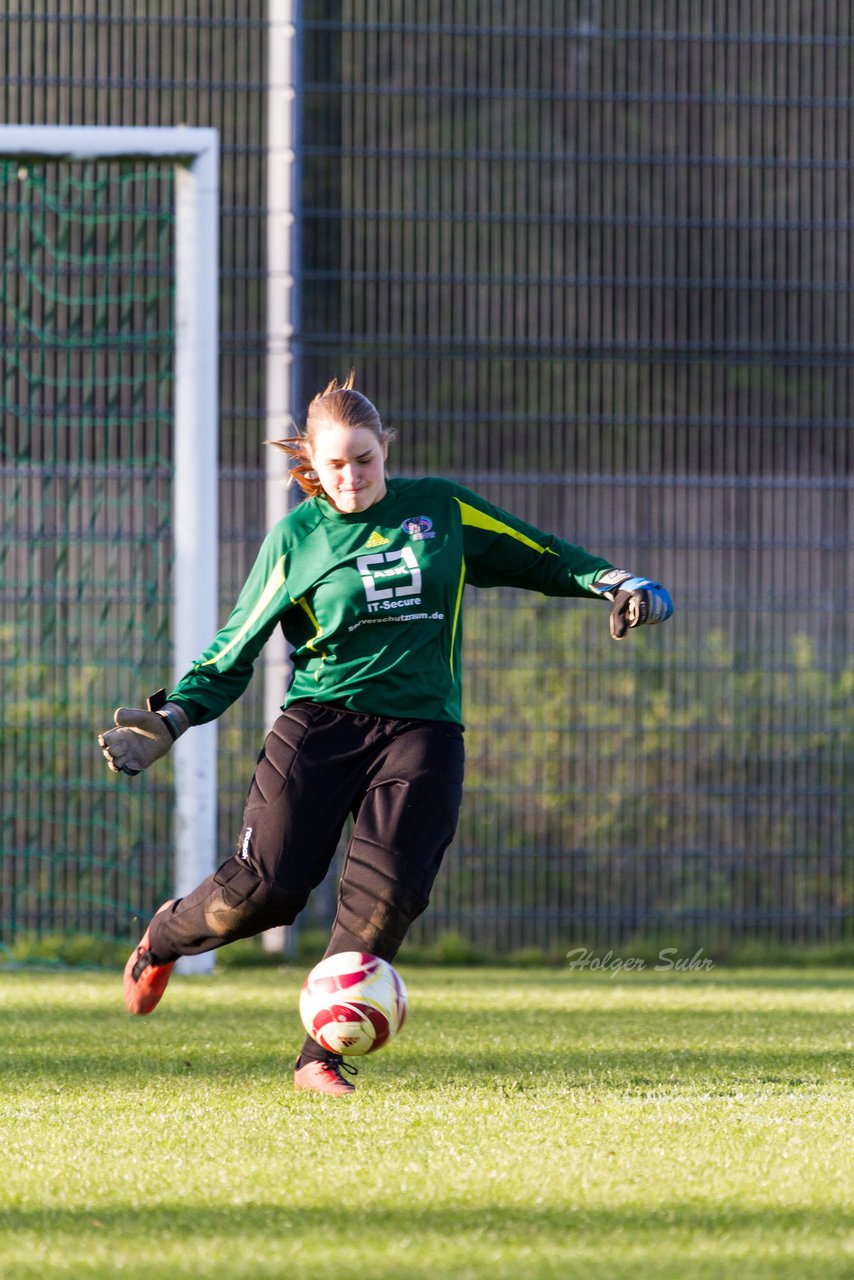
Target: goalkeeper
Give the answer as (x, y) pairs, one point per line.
(366, 577)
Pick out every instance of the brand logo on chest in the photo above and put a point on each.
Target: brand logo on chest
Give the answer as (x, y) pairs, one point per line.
(390, 578)
(376, 540)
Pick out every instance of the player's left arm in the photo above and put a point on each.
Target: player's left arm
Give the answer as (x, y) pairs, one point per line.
(502, 550)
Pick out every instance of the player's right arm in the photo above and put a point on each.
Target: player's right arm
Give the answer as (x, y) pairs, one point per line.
(216, 679)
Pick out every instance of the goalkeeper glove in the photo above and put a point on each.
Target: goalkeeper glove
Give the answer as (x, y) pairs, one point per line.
(635, 601)
(141, 737)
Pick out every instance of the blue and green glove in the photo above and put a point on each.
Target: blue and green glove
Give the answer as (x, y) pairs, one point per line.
(636, 602)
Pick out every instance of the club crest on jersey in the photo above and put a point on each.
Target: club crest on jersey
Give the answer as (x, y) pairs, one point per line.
(418, 528)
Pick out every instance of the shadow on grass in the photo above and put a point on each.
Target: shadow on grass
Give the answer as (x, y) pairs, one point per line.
(687, 1050)
(499, 1218)
(209, 1030)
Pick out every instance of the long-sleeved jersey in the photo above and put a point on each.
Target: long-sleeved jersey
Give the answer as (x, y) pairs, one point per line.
(371, 601)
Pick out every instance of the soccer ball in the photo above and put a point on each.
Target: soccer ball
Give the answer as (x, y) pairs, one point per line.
(352, 1003)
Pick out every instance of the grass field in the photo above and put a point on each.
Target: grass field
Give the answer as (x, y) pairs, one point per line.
(526, 1123)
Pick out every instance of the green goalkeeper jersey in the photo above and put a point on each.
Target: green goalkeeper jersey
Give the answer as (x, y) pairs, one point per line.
(370, 602)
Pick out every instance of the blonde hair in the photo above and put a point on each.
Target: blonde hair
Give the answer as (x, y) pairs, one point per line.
(341, 405)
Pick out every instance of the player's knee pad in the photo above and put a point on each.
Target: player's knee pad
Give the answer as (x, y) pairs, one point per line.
(380, 924)
(243, 903)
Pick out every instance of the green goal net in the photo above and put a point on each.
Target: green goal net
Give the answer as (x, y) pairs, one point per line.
(87, 301)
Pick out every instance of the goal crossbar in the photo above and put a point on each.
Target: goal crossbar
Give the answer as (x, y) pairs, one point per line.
(194, 153)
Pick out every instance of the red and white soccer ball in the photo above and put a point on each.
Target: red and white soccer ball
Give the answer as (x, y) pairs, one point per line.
(353, 1003)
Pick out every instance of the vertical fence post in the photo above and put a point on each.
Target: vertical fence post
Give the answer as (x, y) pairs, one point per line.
(282, 312)
(196, 505)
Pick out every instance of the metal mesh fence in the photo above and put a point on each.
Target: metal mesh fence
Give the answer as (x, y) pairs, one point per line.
(591, 258)
(86, 300)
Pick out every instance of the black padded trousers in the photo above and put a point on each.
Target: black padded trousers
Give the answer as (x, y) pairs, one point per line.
(402, 782)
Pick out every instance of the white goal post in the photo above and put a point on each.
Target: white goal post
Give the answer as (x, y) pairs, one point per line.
(194, 153)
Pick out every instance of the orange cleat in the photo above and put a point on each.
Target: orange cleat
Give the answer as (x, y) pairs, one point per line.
(325, 1077)
(145, 982)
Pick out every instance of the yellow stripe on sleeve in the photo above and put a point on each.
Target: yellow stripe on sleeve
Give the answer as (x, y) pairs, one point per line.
(457, 611)
(310, 644)
(272, 587)
(480, 520)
